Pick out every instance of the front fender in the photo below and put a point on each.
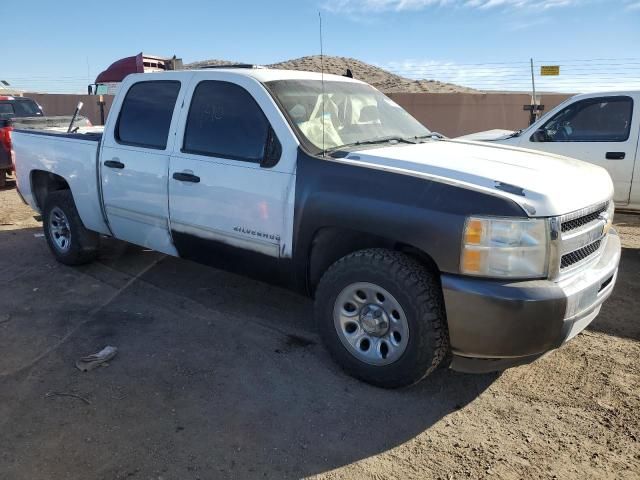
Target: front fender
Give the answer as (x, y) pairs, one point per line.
(423, 213)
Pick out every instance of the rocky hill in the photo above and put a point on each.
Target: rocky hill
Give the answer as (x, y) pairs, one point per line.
(381, 79)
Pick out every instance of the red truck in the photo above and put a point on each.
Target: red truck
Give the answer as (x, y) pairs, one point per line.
(25, 113)
(6, 157)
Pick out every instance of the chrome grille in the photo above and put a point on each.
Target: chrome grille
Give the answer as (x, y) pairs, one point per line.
(574, 223)
(579, 255)
(580, 236)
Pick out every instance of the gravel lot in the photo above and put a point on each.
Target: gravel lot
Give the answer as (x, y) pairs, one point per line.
(222, 377)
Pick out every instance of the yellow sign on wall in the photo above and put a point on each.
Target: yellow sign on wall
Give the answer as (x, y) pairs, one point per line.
(549, 70)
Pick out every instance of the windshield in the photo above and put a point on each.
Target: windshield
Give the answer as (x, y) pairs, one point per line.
(352, 113)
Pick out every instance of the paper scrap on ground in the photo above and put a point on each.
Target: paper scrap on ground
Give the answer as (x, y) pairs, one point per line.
(90, 362)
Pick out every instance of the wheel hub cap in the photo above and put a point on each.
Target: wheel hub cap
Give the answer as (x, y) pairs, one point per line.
(374, 320)
(371, 323)
(59, 229)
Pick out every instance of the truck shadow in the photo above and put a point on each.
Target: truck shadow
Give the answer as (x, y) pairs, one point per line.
(9, 184)
(217, 376)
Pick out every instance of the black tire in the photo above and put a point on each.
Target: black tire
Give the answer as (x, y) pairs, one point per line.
(418, 292)
(83, 244)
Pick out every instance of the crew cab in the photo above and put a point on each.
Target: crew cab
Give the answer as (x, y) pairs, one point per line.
(601, 128)
(418, 250)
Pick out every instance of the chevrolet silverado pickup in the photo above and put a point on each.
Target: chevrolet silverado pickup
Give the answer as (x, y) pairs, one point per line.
(601, 128)
(418, 250)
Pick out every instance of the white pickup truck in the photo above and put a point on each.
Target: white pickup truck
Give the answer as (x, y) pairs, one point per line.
(600, 128)
(416, 248)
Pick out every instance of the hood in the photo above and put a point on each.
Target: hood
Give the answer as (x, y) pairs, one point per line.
(488, 135)
(542, 184)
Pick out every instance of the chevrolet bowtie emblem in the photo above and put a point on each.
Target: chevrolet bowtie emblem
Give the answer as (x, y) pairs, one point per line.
(607, 222)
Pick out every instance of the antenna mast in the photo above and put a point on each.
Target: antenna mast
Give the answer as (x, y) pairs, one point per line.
(322, 81)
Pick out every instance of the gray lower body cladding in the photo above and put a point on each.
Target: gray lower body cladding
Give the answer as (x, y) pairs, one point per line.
(494, 325)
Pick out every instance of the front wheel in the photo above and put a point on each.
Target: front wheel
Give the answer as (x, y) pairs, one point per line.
(381, 315)
(69, 241)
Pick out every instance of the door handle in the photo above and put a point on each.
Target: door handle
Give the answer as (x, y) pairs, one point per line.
(114, 163)
(615, 155)
(186, 177)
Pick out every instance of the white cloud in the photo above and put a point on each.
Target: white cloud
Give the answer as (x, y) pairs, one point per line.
(633, 5)
(351, 6)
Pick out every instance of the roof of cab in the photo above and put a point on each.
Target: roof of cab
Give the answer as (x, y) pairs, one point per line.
(262, 74)
(13, 98)
(268, 74)
(605, 93)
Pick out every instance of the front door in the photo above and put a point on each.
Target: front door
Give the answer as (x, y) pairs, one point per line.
(599, 130)
(223, 200)
(135, 161)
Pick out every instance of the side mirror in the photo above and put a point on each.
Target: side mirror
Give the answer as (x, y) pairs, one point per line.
(539, 135)
(272, 151)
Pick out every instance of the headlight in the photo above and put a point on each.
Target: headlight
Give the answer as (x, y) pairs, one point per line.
(505, 248)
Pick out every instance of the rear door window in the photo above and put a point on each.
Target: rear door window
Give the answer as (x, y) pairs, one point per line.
(225, 121)
(605, 119)
(146, 113)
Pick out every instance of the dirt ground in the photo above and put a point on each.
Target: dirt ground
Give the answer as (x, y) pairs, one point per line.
(218, 376)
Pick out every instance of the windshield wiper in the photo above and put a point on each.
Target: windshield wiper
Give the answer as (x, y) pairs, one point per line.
(436, 135)
(517, 133)
(370, 142)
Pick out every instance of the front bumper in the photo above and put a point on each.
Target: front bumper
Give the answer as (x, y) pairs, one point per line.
(494, 324)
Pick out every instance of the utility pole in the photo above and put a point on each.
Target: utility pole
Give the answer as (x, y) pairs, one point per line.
(534, 108)
(534, 104)
(88, 71)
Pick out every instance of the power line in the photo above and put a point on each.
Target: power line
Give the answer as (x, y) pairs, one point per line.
(507, 75)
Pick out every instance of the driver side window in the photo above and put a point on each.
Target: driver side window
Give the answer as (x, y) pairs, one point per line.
(605, 119)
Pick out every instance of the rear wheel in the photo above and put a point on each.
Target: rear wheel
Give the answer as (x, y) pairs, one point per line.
(381, 315)
(69, 241)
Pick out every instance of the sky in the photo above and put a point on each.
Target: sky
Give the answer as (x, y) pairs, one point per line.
(60, 46)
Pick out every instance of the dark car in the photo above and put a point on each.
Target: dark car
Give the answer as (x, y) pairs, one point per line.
(12, 107)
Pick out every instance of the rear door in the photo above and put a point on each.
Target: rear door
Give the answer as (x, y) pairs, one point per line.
(223, 200)
(134, 161)
(602, 130)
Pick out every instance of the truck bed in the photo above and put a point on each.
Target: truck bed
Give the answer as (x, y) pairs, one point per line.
(90, 135)
(72, 156)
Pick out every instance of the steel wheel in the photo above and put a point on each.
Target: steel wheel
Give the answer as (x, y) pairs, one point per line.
(370, 323)
(59, 230)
